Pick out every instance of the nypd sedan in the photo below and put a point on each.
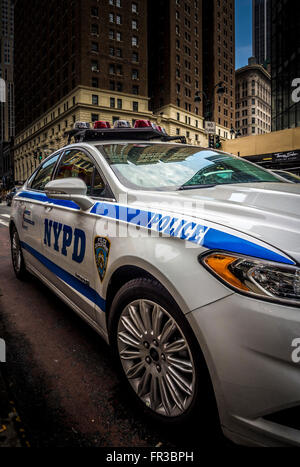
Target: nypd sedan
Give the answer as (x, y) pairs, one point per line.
(187, 261)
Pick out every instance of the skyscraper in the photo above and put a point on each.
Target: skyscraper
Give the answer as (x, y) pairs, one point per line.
(76, 60)
(175, 55)
(219, 58)
(285, 71)
(7, 119)
(191, 50)
(88, 60)
(262, 31)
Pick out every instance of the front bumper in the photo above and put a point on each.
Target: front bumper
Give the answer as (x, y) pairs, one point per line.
(247, 344)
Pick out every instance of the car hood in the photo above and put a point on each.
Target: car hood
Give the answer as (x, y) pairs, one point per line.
(269, 212)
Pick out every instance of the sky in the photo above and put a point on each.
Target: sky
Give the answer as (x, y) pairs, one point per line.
(243, 31)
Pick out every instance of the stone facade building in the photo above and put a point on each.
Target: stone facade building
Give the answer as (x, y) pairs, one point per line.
(253, 100)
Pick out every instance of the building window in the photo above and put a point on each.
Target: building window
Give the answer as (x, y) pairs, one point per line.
(95, 47)
(95, 65)
(95, 117)
(135, 89)
(119, 103)
(134, 8)
(95, 99)
(94, 11)
(95, 29)
(112, 102)
(135, 57)
(118, 37)
(111, 34)
(95, 83)
(134, 41)
(135, 74)
(118, 19)
(134, 24)
(135, 106)
(112, 85)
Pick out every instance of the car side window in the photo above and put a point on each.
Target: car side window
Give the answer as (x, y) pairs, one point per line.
(76, 163)
(44, 174)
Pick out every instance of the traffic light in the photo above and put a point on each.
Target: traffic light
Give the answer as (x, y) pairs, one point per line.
(40, 157)
(211, 141)
(218, 142)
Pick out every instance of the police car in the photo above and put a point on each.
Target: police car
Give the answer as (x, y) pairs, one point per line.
(186, 260)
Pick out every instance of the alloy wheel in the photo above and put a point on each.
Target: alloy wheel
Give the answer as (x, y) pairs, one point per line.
(156, 358)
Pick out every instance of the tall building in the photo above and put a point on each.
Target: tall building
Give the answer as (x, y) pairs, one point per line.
(7, 119)
(191, 50)
(219, 58)
(285, 64)
(76, 60)
(88, 60)
(175, 62)
(261, 36)
(253, 100)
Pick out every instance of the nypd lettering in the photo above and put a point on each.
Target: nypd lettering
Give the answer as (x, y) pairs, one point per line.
(61, 238)
(101, 247)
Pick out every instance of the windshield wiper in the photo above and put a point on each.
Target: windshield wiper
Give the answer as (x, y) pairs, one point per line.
(195, 187)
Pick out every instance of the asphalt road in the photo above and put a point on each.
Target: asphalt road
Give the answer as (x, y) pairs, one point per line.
(62, 377)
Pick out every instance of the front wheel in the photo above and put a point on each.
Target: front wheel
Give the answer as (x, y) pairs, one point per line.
(156, 349)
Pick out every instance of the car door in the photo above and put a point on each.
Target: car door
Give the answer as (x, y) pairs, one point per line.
(67, 236)
(30, 205)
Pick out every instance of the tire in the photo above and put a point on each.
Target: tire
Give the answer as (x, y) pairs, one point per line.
(17, 255)
(157, 353)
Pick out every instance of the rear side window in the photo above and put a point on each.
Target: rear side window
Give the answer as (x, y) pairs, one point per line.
(43, 176)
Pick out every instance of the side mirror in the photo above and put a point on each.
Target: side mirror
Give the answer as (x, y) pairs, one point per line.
(70, 189)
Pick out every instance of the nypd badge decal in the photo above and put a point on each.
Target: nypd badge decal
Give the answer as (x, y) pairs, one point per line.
(101, 248)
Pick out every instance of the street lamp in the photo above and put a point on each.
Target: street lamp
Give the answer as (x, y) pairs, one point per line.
(208, 109)
(235, 132)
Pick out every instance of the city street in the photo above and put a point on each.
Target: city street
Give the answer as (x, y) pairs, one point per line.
(61, 375)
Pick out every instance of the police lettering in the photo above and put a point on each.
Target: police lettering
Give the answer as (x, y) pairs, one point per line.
(54, 231)
(179, 228)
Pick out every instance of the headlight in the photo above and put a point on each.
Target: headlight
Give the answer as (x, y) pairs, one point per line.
(256, 277)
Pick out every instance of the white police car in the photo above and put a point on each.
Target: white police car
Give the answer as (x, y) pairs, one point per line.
(186, 260)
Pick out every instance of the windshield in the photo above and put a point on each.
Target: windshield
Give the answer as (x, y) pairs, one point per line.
(173, 167)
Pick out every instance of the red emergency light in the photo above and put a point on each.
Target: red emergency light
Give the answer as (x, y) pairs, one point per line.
(101, 124)
(142, 124)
